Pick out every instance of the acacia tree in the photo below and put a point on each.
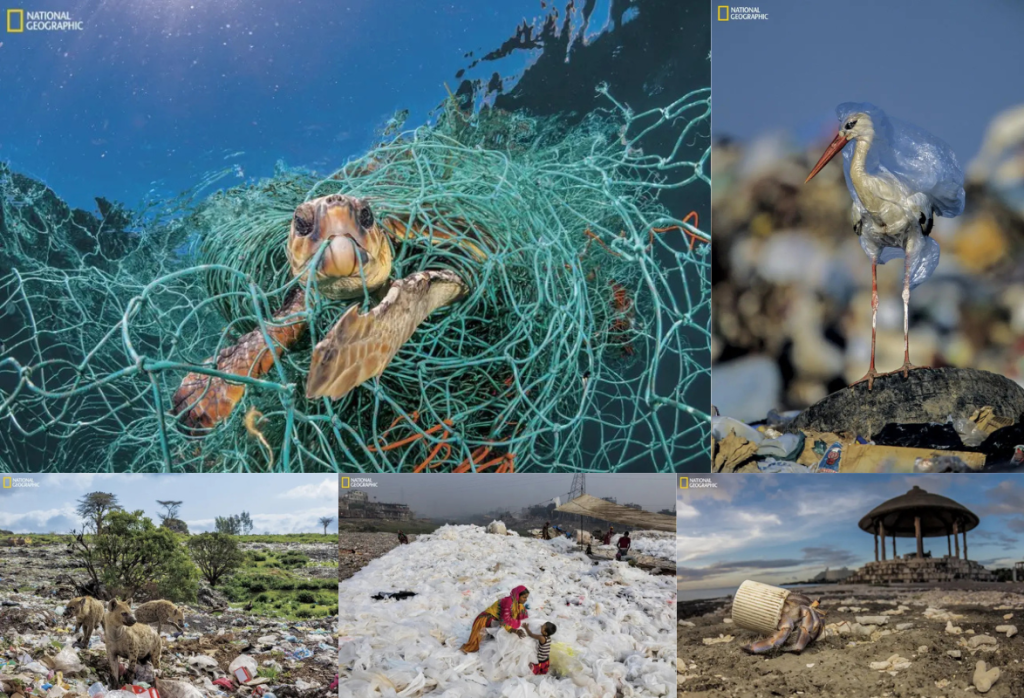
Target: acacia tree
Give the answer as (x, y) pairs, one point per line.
(215, 554)
(95, 506)
(171, 507)
(326, 521)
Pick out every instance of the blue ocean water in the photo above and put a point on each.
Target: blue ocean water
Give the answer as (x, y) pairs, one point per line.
(147, 96)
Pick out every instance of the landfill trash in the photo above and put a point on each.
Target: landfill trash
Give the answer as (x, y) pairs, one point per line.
(38, 644)
(621, 627)
(243, 667)
(497, 527)
(66, 661)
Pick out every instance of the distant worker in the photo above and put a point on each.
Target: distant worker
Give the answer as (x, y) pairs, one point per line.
(509, 611)
(402, 538)
(624, 543)
(544, 534)
(607, 540)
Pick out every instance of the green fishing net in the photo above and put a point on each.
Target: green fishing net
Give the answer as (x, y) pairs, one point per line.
(583, 344)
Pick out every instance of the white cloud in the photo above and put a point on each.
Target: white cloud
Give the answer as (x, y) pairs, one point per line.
(686, 511)
(325, 489)
(58, 520)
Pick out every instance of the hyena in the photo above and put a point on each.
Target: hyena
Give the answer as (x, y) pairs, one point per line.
(125, 637)
(88, 613)
(161, 612)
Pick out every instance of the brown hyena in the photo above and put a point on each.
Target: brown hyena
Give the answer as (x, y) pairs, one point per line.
(88, 613)
(161, 612)
(127, 638)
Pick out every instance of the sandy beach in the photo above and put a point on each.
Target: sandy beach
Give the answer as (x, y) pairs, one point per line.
(930, 645)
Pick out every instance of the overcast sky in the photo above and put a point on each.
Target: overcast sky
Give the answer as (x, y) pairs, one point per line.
(276, 503)
(783, 528)
(455, 495)
(948, 66)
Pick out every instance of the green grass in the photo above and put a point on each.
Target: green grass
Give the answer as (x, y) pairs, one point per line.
(292, 538)
(275, 590)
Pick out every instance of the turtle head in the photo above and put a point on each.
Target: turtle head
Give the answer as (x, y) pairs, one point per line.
(357, 251)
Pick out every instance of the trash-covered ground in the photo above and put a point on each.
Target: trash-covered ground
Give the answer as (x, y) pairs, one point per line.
(930, 421)
(616, 625)
(791, 292)
(287, 659)
(356, 550)
(878, 642)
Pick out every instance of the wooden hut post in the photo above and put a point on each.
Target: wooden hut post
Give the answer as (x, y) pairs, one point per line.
(876, 545)
(895, 555)
(917, 534)
(965, 545)
(949, 546)
(881, 529)
(956, 537)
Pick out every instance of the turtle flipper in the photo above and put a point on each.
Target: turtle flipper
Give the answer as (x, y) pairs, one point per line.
(361, 345)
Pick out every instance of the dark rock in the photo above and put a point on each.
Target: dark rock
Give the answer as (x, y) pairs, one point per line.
(926, 396)
(1000, 445)
(938, 436)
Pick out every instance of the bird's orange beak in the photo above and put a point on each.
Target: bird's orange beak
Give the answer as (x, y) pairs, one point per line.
(837, 144)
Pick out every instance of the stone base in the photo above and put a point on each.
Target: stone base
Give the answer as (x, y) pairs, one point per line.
(916, 571)
(927, 396)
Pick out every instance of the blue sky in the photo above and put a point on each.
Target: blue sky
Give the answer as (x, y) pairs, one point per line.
(784, 528)
(948, 66)
(289, 503)
(149, 96)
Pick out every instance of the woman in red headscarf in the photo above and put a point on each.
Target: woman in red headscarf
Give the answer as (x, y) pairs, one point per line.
(509, 611)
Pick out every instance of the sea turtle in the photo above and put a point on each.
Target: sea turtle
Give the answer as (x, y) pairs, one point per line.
(358, 260)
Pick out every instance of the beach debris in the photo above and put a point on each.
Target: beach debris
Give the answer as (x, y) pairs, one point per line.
(985, 677)
(953, 629)
(892, 664)
(873, 620)
(955, 654)
(980, 641)
(721, 639)
(1009, 630)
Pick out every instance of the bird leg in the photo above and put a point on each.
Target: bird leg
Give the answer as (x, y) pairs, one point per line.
(872, 373)
(907, 367)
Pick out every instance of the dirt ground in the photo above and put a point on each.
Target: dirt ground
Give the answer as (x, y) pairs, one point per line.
(356, 550)
(840, 665)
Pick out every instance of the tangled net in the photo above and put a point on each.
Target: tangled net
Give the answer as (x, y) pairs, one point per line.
(583, 344)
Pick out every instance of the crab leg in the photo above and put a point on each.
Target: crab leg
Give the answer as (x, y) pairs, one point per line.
(809, 629)
(774, 641)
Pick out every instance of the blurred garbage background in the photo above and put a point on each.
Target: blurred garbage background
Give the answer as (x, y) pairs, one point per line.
(791, 291)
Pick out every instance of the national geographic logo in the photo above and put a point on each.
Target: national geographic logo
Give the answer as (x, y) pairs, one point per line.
(12, 483)
(727, 13)
(697, 483)
(356, 482)
(19, 21)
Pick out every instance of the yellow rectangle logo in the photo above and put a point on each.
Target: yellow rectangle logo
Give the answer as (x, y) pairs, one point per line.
(684, 483)
(723, 13)
(346, 482)
(7, 483)
(20, 14)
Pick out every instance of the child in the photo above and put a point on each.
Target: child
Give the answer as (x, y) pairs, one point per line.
(543, 649)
